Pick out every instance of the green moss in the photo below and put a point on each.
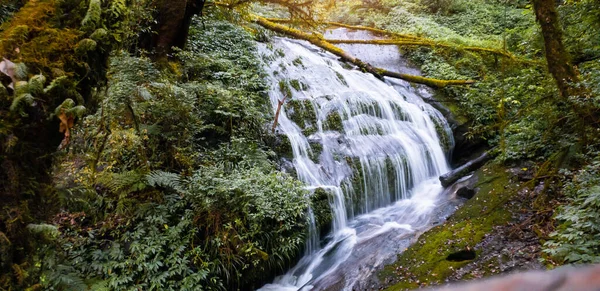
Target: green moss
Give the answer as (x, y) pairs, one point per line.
(398, 111)
(442, 135)
(298, 62)
(298, 86)
(341, 78)
(424, 263)
(99, 35)
(333, 121)
(295, 84)
(356, 181)
(303, 114)
(280, 53)
(317, 149)
(84, 46)
(93, 16)
(319, 201)
(284, 88)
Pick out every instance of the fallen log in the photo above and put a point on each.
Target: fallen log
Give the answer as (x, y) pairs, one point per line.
(318, 40)
(454, 175)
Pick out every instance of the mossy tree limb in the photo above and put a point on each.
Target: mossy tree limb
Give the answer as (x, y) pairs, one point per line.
(319, 41)
(431, 43)
(354, 27)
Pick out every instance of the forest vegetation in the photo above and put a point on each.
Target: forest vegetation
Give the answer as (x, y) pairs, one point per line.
(136, 143)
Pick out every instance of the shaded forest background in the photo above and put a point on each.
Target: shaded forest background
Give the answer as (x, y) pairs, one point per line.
(135, 142)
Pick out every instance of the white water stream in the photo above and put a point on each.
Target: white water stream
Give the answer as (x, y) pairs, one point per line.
(380, 167)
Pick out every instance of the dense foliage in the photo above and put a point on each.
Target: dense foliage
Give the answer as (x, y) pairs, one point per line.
(123, 170)
(577, 238)
(228, 219)
(168, 183)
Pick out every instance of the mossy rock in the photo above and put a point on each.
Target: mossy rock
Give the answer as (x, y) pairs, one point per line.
(425, 262)
(322, 211)
(341, 78)
(317, 149)
(283, 147)
(356, 181)
(302, 113)
(333, 121)
(445, 140)
(298, 85)
(398, 111)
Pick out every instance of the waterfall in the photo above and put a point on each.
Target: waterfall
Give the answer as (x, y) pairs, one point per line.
(375, 147)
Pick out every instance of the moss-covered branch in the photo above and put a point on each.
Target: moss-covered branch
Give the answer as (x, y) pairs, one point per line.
(318, 40)
(431, 43)
(354, 27)
(400, 39)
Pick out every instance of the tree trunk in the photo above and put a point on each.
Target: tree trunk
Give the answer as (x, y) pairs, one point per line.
(173, 23)
(560, 66)
(557, 56)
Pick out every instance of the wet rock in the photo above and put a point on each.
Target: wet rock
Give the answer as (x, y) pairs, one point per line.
(465, 192)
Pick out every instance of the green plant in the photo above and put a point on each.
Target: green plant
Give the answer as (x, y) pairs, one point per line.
(577, 237)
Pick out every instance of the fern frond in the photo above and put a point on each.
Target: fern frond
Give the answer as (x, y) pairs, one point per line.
(165, 179)
(57, 84)
(21, 87)
(21, 71)
(77, 111)
(16, 105)
(36, 84)
(120, 183)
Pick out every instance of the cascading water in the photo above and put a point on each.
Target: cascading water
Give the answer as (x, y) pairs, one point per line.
(375, 149)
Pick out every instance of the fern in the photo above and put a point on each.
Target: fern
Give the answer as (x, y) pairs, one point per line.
(119, 183)
(58, 84)
(68, 107)
(21, 87)
(21, 71)
(36, 84)
(19, 101)
(577, 237)
(166, 180)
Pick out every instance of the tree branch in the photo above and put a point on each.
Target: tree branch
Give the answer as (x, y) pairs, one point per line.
(354, 27)
(409, 40)
(318, 40)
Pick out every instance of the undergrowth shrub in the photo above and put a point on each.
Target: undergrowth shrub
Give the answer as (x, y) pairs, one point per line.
(577, 236)
(169, 185)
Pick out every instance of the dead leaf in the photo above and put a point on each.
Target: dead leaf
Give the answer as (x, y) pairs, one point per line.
(66, 123)
(9, 68)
